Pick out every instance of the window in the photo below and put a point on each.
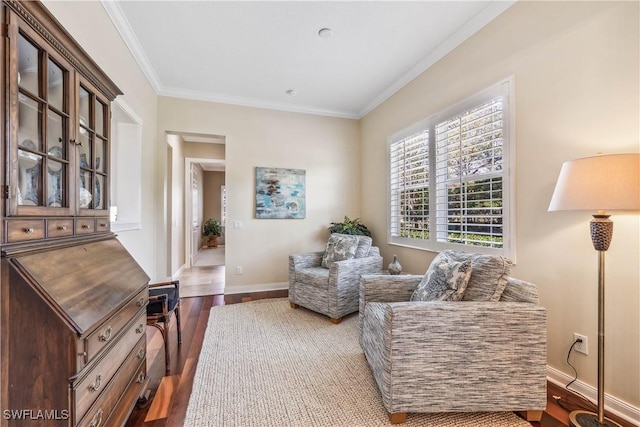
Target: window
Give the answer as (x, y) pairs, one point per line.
(449, 178)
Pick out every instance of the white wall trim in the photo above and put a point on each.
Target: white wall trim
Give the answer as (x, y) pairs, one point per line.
(489, 13)
(254, 102)
(123, 27)
(612, 404)
(257, 287)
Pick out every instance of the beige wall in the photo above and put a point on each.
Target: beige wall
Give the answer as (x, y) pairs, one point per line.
(97, 35)
(576, 75)
(327, 148)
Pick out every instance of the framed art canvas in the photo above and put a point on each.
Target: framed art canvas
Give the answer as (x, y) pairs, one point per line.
(280, 193)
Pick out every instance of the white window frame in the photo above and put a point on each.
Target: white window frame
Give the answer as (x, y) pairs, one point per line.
(504, 89)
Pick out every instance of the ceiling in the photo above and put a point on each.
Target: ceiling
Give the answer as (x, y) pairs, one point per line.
(252, 52)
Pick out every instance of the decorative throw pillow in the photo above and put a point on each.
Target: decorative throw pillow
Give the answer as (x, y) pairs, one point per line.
(339, 248)
(364, 245)
(445, 280)
(488, 278)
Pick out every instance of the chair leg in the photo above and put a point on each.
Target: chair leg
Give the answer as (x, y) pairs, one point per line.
(177, 310)
(163, 332)
(335, 321)
(398, 417)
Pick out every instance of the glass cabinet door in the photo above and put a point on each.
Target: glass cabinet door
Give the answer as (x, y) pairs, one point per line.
(92, 148)
(41, 128)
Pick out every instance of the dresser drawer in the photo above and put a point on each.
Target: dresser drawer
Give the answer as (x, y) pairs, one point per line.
(91, 386)
(131, 375)
(103, 225)
(85, 225)
(21, 230)
(59, 227)
(110, 330)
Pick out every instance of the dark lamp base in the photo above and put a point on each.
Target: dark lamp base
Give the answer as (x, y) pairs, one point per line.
(589, 419)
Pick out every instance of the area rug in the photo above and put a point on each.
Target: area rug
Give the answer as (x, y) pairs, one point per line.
(265, 364)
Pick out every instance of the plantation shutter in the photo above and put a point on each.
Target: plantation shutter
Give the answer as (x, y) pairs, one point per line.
(409, 186)
(469, 176)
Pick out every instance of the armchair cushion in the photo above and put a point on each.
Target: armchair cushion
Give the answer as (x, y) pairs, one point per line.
(445, 280)
(314, 276)
(340, 247)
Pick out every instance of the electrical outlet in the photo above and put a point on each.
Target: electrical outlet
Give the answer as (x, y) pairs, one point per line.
(239, 269)
(581, 347)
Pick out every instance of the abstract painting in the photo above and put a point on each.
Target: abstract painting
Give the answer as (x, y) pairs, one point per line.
(280, 193)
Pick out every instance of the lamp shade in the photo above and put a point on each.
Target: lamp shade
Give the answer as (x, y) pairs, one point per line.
(599, 183)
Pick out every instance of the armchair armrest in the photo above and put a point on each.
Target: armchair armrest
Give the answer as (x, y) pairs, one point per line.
(348, 270)
(305, 260)
(385, 288)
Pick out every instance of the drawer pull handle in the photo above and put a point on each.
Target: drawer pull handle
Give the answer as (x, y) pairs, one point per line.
(96, 383)
(140, 377)
(140, 302)
(141, 353)
(106, 335)
(96, 420)
(62, 228)
(102, 224)
(29, 230)
(140, 328)
(85, 226)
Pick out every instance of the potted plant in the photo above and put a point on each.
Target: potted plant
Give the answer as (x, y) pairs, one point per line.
(212, 229)
(349, 226)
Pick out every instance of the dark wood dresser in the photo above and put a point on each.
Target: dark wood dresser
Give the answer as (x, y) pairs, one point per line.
(72, 299)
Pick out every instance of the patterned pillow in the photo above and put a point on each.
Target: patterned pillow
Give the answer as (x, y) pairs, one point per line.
(339, 248)
(488, 278)
(445, 280)
(364, 245)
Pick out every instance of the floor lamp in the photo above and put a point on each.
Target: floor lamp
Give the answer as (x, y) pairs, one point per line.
(601, 183)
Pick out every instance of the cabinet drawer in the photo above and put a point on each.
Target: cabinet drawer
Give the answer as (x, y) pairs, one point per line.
(59, 227)
(85, 225)
(131, 375)
(90, 387)
(20, 230)
(103, 224)
(110, 330)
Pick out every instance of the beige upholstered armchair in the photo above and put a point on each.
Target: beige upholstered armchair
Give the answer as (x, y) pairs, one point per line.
(328, 282)
(481, 354)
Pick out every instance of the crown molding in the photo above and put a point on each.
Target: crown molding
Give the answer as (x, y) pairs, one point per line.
(488, 14)
(123, 27)
(254, 102)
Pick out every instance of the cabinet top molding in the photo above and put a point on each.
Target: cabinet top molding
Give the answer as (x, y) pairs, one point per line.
(38, 17)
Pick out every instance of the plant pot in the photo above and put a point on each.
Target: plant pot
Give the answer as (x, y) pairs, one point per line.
(213, 241)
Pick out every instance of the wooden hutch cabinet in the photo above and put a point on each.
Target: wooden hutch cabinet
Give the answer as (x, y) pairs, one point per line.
(72, 299)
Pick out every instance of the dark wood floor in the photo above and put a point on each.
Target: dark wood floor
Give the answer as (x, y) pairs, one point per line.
(171, 402)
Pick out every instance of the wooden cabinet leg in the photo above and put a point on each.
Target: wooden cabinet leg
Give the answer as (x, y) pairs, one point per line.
(335, 321)
(293, 305)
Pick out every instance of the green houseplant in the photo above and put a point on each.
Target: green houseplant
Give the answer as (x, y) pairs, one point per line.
(212, 229)
(349, 226)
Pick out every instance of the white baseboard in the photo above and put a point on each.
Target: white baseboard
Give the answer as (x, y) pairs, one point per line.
(258, 287)
(612, 404)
